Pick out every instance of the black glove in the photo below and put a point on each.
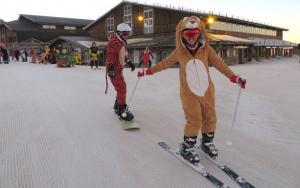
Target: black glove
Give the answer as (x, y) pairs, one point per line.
(131, 65)
(111, 70)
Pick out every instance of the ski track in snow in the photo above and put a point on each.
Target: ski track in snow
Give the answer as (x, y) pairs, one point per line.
(58, 129)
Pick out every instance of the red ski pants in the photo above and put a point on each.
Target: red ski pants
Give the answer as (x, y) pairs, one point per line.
(120, 87)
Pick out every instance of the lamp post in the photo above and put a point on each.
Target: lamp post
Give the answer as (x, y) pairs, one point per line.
(140, 18)
(209, 20)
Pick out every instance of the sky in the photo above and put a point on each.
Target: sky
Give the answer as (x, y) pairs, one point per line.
(273, 12)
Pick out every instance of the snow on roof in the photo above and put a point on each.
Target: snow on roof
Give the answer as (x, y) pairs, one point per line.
(255, 41)
(228, 38)
(135, 40)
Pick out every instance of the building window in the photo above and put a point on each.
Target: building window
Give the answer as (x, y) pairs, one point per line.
(148, 20)
(49, 27)
(128, 15)
(110, 25)
(12, 39)
(69, 27)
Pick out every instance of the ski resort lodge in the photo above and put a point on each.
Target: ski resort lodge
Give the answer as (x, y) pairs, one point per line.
(236, 40)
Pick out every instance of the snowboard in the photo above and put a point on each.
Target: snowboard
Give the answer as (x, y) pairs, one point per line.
(129, 125)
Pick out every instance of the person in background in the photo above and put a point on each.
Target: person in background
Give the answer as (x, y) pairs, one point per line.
(25, 54)
(0, 56)
(147, 56)
(43, 56)
(22, 55)
(33, 55)
(4, 53)
(17, 54)
(94, 55)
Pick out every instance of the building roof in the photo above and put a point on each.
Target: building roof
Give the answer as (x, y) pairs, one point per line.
(228, 39)
(87, 41)
(56, 20)
(93, 22)
(84, 42)
(33, 41)
(169, 41)
(16, 25)
(190, 11)
(272, 42)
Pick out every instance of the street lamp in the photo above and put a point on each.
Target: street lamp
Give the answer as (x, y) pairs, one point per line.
(210, 20)
(140, 18)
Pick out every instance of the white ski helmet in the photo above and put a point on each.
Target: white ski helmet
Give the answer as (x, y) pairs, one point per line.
(123, 27)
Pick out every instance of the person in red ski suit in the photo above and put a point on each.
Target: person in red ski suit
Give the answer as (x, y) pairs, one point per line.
(147, 55)
(117, 58)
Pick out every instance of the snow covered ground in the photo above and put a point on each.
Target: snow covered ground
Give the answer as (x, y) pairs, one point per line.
(58, 130)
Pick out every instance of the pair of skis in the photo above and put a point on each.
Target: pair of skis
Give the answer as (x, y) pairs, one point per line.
(201, 169)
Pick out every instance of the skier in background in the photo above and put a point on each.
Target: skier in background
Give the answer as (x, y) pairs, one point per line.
(147, 56)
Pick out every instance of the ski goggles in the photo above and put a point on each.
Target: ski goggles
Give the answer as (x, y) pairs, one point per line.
(190, 33)
(125, 33)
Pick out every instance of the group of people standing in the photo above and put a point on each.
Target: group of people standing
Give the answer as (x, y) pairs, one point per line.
(40, 55)
(23, 53)
(43, 55)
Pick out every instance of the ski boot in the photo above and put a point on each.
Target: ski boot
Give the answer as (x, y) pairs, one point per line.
(187, 150)
(207, 146)
(124, 113)
(116, 107)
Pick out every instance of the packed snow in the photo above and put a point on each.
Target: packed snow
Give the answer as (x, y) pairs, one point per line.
(58, 128)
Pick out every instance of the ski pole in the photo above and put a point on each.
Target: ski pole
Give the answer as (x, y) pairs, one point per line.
(132, 94)
(133, 91)
(228, 142)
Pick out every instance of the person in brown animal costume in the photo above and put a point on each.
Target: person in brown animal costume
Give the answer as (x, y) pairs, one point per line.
(197, 92)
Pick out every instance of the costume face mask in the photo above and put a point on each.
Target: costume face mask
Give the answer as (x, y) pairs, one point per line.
(191, 37)
(190, 33)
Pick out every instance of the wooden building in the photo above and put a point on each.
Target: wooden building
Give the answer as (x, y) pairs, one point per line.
(35, 31)
(236, 40)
